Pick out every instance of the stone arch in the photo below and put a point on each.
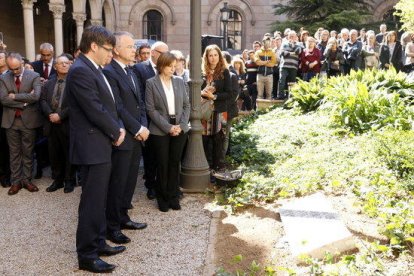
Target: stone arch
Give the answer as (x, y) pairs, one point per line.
(242, 6)
(110, 16)
(383, 7)
(142, 6)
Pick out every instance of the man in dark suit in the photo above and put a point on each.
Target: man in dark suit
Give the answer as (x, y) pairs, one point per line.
(94, 128)
(44, 67)
(125, 158)
(56, 127)
(19, 93)
(144, 71)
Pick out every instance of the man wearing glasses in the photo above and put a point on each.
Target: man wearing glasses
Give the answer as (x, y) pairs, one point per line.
(94, 128)
(144, 71)
(19, 93)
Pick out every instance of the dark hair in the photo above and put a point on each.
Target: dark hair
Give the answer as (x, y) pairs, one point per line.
(257, 42)
(144, 46)
(164, 60)
(98, 34)
(227, 56)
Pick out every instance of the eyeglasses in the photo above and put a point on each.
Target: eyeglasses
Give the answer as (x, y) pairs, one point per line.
(62, 63)
(109, 50)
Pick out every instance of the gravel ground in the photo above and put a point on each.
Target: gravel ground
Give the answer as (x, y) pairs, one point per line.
(37, 235)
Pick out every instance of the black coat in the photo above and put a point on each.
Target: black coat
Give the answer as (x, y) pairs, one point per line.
(144, 71)
(396, 59)
(38, 68)
(93, 114)
(223, 91)
(132, 113)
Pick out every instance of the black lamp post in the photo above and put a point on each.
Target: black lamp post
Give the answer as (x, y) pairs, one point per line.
(225, 14)
(195, 173)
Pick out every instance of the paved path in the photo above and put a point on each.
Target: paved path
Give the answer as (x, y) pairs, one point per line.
(37, 235)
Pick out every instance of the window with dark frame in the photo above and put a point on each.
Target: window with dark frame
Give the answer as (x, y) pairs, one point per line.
(234, 30)
(153, 25)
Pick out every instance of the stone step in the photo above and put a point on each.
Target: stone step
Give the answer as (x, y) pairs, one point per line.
(313, 228)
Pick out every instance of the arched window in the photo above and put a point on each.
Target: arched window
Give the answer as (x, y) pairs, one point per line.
(234, 30)
(152, 24)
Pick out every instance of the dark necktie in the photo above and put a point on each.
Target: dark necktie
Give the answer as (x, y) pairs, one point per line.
(129, 74)
(46, 71)
(18, 111)
(56, 97)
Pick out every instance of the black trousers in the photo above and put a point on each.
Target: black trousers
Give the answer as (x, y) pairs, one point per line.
(168, 151)
(91, 231)
(4, 155)
(125, 166)
(213, 148)
(58, 145)
(150, 165)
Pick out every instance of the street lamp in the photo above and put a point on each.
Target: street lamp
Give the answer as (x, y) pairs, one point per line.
(195, 173)
(225, 14)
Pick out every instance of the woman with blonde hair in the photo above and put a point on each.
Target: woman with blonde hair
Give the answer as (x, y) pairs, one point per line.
(216, 87)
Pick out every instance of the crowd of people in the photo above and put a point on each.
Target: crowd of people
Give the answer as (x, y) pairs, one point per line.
(91, 116)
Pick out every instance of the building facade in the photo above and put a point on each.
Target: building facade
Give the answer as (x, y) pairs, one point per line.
(26, 24)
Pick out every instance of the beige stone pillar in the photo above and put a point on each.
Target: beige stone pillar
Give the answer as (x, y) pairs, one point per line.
(58, 10)
(96, 22)
(29, 37)
(80, 20)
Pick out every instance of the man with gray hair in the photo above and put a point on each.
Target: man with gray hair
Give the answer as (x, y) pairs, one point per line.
(19, 93)
(125, 158)
(383, 31)
(44, 67)
(352, 53)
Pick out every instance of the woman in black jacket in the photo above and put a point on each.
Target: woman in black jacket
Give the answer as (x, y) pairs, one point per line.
(216, 87)
(390, 52)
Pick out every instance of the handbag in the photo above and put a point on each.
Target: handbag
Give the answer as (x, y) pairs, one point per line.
(206, 107)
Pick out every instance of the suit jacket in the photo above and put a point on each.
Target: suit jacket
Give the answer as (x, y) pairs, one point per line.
(132, 107)
(93, 115)
(46, 106)
(157, 106)
(396, 59)
(144, 71)
(29, 94)
(38, 68)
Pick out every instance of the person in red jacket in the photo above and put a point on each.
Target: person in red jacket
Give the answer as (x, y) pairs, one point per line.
(310, 59)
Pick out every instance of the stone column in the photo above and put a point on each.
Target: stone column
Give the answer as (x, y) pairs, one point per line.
(97, 22)
(29, 38)
(80, 20)
(58, 10)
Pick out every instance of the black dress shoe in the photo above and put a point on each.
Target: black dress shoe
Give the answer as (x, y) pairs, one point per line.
(56, 185)
(117, 237)
(151, 194)
(5, 181)
(69, 186)
(111, 250)
(175, 204)
(96, 266)
(132, 225)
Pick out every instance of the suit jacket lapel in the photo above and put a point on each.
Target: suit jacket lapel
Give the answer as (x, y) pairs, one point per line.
(99, 74)
(161, 91)
(118, 69)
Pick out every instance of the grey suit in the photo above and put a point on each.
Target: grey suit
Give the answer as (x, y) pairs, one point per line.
(157, 107)
(167, 149)
(21, 131)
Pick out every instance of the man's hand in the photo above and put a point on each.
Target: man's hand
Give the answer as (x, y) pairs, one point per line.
(143, 136)
(54, 118)
(12, 96)
(121, 138)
